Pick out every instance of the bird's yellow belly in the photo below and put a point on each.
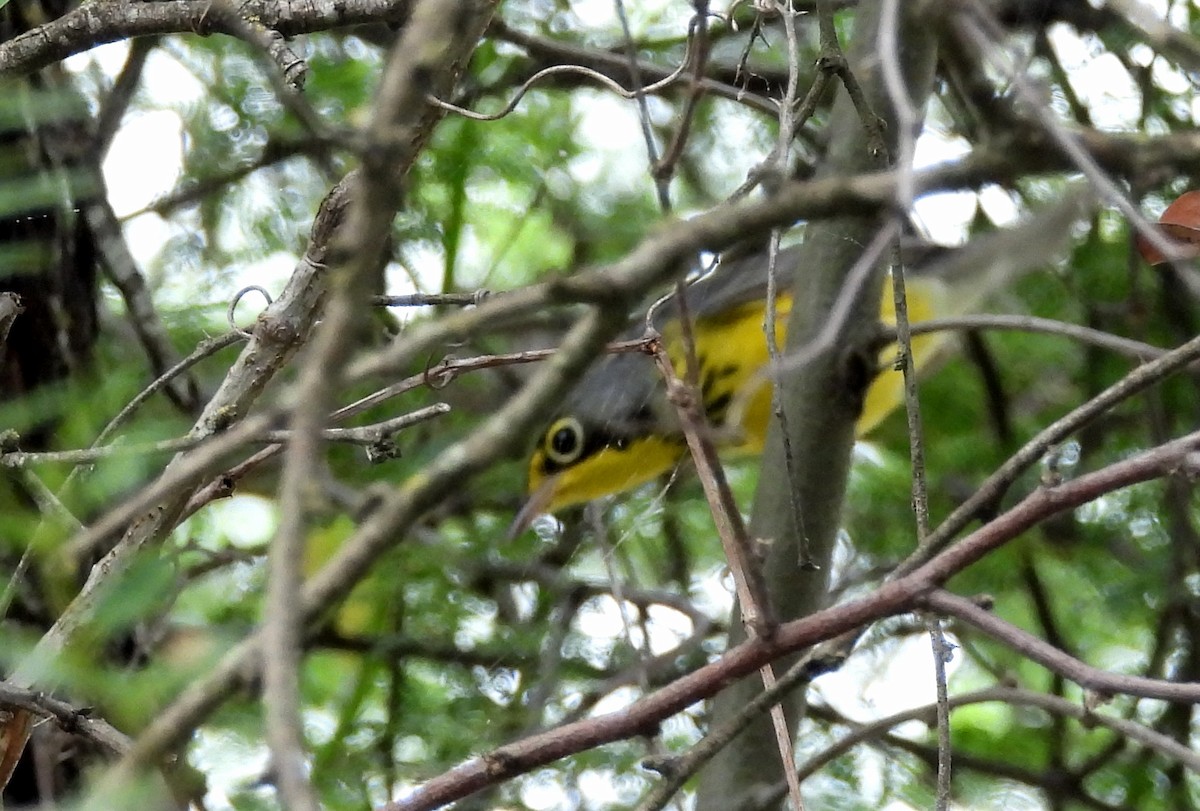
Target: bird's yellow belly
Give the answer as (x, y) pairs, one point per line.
(732, 352)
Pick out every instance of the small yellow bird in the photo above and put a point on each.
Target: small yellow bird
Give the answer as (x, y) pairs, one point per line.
(617, 430)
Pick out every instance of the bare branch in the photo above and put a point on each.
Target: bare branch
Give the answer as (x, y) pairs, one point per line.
(1090, 678)
(89, 25)
(1012, 696)
(72, 719)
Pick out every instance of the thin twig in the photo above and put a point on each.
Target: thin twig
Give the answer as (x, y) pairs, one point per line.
(236, 299)
(661, 185)
(360, 435)
(780, 161)
(48, 504)
(776, 167)
(432, 299)
(941, 650)
(443, 373)
(1009, 696)
(1128, 347)
(1100, 682)
(664, 168)
(906, 118)
(735, 540)
(194, 189)
(603, 60)
(552, 71)
(76, 720)
(206, 348)
(995, 485)
(834, 60)
(756, 611)
(115, 103)
(617, 590)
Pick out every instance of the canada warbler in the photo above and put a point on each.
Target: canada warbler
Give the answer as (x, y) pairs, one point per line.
(616, 429)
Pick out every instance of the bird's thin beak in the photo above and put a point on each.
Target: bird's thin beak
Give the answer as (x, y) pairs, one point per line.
(534, 506)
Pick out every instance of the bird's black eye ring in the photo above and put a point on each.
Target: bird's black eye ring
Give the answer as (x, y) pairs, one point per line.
(564, 441)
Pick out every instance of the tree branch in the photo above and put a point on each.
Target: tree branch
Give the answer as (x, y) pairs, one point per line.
(92, 24)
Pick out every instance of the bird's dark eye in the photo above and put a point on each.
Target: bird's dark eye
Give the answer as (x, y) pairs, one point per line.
(564, 441)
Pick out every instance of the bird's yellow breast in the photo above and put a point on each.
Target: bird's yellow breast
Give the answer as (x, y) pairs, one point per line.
(731, 351)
